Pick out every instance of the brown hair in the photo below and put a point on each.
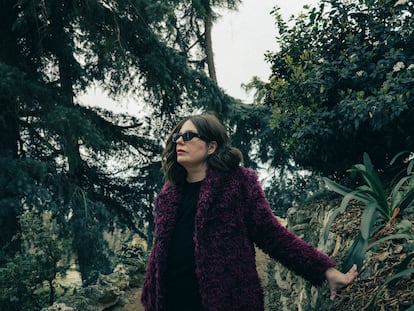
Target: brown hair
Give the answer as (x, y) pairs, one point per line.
(224, 158)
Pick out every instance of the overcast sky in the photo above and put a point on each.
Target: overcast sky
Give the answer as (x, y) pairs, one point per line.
(240, 40)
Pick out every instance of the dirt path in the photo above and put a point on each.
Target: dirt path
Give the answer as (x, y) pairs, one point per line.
(132, 297)
(132, 301)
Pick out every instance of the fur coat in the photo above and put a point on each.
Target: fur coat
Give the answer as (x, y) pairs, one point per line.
(232, 215)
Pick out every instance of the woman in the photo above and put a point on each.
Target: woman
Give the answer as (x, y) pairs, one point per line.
(208, 216)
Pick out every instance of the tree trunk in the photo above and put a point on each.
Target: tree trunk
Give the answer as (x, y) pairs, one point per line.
(9, 128)
(208, 25)
(150, 233)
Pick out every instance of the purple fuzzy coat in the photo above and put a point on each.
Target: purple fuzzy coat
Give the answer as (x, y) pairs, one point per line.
(232, 215)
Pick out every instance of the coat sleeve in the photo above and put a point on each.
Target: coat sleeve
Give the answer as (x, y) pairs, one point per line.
(277, 241)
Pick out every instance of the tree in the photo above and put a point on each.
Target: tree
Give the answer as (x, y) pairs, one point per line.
(52, 145)
(341, 84)
(190, 31)
(207, 12)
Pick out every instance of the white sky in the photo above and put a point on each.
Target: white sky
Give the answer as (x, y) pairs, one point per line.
(240, 40)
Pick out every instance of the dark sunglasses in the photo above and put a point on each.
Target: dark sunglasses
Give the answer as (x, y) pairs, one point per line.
(187, 136)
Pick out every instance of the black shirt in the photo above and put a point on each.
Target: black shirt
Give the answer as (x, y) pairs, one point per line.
(182, 287)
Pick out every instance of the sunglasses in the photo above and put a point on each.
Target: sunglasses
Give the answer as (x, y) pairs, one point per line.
(187, 136)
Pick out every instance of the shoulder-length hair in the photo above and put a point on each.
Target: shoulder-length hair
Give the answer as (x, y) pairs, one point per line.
(224, 158)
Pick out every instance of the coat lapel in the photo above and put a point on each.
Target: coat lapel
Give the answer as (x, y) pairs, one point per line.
(208, 192)
(166, 209)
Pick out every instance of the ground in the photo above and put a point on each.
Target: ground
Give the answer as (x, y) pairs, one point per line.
(132, 301)
(132, 297)
(382, 263)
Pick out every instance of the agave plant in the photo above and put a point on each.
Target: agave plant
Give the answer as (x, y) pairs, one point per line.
(379, 208)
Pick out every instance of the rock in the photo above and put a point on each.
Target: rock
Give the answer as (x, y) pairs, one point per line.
(58, 307)
(284, 290)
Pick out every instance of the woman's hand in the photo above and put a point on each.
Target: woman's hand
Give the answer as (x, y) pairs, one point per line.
(338, 280)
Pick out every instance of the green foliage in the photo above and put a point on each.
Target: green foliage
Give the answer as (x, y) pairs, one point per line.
(259, 88)
(290, 187)
(376, 203)
(17, 278)
(40, 236)
(89, 169)
(397, 236)
(22, 184)
(342, 83)
(100, 170)
(28, 278)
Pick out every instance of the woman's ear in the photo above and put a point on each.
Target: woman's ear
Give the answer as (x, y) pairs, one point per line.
(212, 147)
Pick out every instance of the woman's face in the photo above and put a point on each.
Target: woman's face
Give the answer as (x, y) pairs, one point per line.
(193, 153)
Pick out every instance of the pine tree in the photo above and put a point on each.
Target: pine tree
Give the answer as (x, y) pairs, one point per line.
(56, 150)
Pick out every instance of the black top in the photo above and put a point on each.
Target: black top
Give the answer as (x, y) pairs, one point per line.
(182, 287)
